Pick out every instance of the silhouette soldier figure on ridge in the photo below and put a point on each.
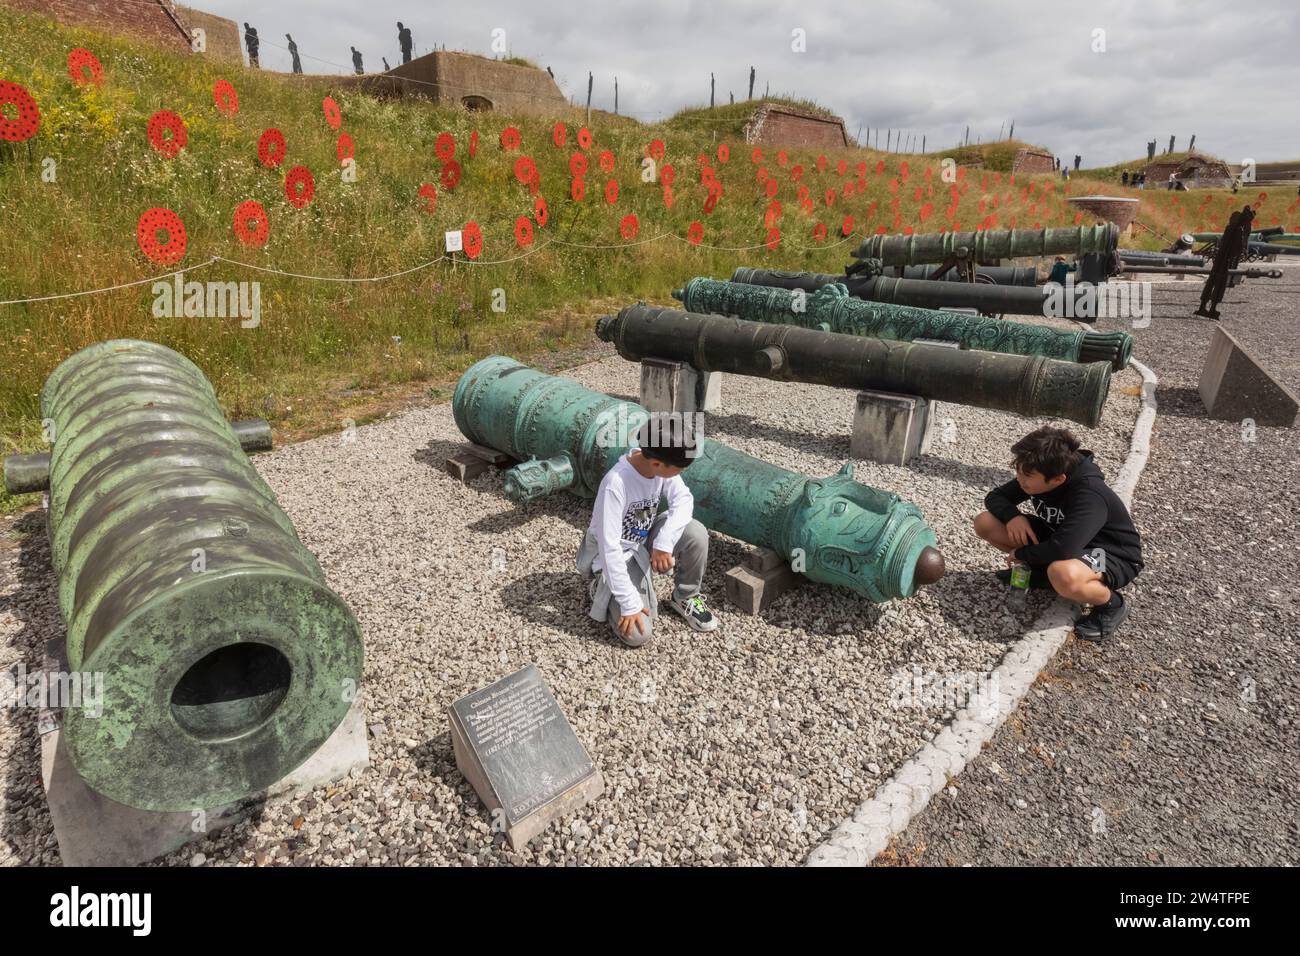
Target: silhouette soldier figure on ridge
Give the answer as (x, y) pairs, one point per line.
(293, 52)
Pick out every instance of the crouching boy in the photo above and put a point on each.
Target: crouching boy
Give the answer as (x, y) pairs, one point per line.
(628, 539)
(1078, 540)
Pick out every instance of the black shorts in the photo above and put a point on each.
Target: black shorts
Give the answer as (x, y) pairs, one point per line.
(1115, 571)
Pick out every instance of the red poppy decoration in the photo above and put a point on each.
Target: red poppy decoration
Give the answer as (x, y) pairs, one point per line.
(578, 165)
(299, 187)
(819, 231)
(830, 197)
(525, 169)
(821, 163)
(606, 161)
(445, 146)
(560, 134)
(724, 152)
(429, 193)
(861, 168)
(880, 166)
(160, 219)
(771, 188)
(473, 144)
(807, 206)
(657, 150)
(578, 189)
(803, 193)
(695, 232)
(708, 176)
(162, 123)
(629, 227)
(510, 138)
(757, 155)
(761, 174)
(847, 227)
(611, 191)
(667, 174)
(712, 201)
(27, 122)
(472, 239)
(584, 138)
(84, 67)
(796, 172)
(782, 157)
(225, 97)
(773, 238)
(344, 147)
(331, 111)
(524, 232)
(271, 148)
(841, 167)
(450, 175)
(251, 225)
(772, 214)
(668, 197)
(541, 211)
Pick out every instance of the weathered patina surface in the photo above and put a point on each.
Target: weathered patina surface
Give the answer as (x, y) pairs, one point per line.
(1029, 385)
(226, 660)
(988, 246)
(834, 530)
(832, 308)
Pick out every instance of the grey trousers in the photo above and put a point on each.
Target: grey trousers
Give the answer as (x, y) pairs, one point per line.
(689, 559)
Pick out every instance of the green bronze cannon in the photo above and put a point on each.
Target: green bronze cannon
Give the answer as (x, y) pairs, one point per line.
(835, 530)
(987, 299)
(225, 658)
(832, 309)
(988, 246)
(1028, 385)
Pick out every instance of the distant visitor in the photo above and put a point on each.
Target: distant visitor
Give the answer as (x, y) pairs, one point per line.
(250, 42)
(404, 41)
(293, 52)
(356, 61)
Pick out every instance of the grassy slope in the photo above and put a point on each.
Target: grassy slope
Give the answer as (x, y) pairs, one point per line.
(325, 350)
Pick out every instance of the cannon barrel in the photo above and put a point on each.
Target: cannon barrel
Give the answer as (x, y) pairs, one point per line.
(990, 245)
(1143, 257)
(927, 293)
(226, 660)
(1272, 249)
(833, 309)
(995, 275)
(567, 437)
(1204, 270)
(1029, 385)
(26, 473)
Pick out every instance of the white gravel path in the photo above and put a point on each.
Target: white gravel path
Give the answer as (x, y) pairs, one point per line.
(746, 746)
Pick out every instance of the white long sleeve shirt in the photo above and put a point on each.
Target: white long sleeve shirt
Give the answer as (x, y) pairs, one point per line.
(626, 506)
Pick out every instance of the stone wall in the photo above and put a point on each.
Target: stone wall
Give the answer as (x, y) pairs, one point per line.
(224, 37)
(784, 125)
(475, 82)
(155, 20)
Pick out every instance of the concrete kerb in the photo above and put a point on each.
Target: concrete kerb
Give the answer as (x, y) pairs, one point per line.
(858, 840)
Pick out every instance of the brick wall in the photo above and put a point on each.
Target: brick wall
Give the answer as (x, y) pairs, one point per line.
(225, 37)
(1032, 161)
(154, 20)
(785, 125)
(1114, 209)
(448, 77)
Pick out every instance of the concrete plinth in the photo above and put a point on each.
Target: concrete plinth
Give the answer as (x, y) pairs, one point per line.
(93, 830)
(671, 386)
(758, 582)
(890, 429)
(1235, 387)
(475, 459)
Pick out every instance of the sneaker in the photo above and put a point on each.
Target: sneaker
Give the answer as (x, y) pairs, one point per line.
(1038, 579)
(1100, 623)
(697, 614)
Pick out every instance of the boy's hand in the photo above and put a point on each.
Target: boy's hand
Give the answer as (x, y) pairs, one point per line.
(661, 561)
(1021, 532)
(637, 620)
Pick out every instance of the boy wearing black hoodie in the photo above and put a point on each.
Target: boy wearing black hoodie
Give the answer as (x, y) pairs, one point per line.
(1078, 538)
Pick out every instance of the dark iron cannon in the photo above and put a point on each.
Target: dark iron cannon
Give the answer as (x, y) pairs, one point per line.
(989, 246)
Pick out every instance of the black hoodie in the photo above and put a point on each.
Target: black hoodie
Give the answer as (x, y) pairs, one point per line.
(1083, 511)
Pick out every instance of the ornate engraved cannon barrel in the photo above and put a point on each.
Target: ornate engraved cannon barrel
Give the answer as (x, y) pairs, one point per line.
(1029, 385)
(226, 661)
(833, 309)
(836, 530)
(919, 293)
(989, 246)
(994, 275)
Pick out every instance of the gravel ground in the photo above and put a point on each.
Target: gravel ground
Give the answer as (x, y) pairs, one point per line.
(745, 746)
(1176, 744)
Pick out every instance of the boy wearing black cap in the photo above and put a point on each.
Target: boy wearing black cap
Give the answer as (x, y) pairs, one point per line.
(627, 538)
(1078, 539)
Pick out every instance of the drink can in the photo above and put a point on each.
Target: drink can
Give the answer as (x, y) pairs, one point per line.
(1020, 576)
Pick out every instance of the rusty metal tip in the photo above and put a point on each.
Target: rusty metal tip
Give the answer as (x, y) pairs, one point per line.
(929, 566)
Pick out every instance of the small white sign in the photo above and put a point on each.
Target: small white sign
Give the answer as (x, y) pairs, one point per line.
(454, 242)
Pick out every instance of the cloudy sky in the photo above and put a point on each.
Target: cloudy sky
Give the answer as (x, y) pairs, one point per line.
(1099, 78)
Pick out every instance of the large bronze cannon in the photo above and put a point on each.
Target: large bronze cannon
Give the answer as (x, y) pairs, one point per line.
(1028, 385)
(989, 246)
(925, 294)
(993, 275)
(226, 660)
(832, 309)
(834, 530)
